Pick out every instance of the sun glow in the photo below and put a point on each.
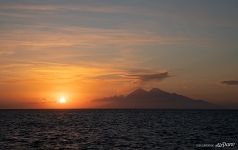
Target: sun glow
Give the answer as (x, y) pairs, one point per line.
(62, 100)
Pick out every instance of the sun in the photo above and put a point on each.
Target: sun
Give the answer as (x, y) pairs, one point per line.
(62, 100)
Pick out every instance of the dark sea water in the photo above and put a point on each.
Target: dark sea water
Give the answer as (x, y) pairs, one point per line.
(118, 129)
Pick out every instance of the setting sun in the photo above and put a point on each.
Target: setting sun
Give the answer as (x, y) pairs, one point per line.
(62, 100)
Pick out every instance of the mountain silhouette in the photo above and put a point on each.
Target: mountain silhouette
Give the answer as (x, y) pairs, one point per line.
(155, 98)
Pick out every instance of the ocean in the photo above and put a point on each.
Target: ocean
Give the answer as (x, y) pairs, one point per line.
(119, 129)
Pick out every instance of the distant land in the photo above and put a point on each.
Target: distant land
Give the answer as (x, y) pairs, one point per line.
(155, 98)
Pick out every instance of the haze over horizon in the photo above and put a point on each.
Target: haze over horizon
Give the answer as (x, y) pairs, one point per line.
(63, 54)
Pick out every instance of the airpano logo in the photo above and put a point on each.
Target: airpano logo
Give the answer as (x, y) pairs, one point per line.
(224, 144)
(217, 145)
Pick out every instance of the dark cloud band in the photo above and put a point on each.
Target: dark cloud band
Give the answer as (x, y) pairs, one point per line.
(230, 82)
(151, 76)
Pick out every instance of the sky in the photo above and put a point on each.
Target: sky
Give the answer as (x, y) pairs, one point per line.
(87, 49)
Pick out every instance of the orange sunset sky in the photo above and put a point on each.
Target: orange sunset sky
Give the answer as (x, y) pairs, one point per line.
(83, 50)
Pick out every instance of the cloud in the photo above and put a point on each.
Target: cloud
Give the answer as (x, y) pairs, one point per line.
(137, 76)
(44, 37)
(150, 76)
(230, 82)
(49, 8)
(108, 77)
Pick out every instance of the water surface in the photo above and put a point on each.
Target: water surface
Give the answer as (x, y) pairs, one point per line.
(116, 129)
